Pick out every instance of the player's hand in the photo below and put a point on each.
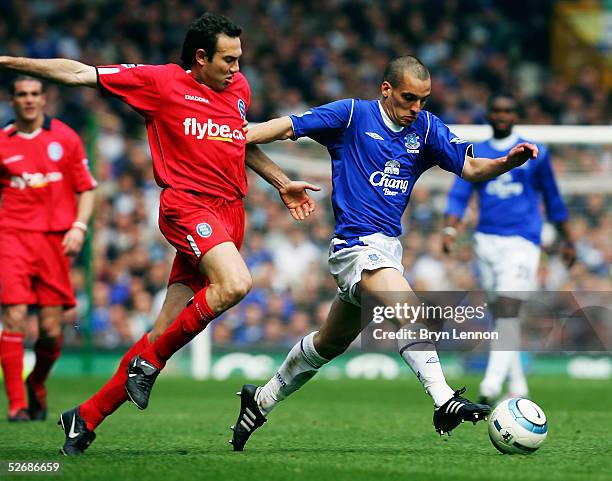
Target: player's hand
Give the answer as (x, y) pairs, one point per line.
(73, 241)
(521, 153)
(568, 253)
(245, 125)
(297, 200)
(448, 243)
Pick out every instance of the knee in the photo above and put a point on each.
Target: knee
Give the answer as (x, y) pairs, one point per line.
(14, 318)
(233, 291)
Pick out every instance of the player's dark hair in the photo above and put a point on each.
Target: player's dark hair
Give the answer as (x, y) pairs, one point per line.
(21, 78)
(203, 33)
(394, 72)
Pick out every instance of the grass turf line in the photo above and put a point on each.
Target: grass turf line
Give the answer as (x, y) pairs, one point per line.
(330, 430)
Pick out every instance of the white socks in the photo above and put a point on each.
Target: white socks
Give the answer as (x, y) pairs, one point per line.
(426, 366)
(505, 361)
(300, 365)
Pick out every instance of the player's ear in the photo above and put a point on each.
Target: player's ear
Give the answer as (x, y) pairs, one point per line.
(201, 57)
(385, 89)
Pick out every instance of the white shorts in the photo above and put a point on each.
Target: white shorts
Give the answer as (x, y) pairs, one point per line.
(507, 264)
(348, 259)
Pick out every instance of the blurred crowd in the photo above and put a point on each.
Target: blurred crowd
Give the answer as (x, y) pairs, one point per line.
(299, 54)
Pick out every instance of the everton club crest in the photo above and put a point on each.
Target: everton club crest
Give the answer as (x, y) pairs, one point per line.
(412, 143)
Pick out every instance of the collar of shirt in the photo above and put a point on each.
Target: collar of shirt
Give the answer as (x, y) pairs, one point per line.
(388, 122)
(13, 129)
(506, 143)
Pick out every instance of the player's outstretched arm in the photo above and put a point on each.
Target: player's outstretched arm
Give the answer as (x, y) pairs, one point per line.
(275, 129)
(60, 70)
(477, 169)
(293, 193)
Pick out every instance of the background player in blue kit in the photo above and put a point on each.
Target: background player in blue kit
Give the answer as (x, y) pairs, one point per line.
(507, 239)
(378, 148)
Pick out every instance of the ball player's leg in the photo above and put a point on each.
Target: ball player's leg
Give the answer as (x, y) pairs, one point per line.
(228, 282)
(342, 326)
(47, 349)
(502, 350)
(112, 395)
(11, 358)
(387, 287)
(79, 422)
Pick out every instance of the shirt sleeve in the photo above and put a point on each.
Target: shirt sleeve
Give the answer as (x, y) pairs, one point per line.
(556, 211)
(459, 197)
(445, 148)
(81, 176)
(139, 86)
(324, 122)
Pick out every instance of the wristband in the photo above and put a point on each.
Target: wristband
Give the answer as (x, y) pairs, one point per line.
(450, 231)
(79, 225)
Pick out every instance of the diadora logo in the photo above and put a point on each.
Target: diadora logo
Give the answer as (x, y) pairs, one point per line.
(412, 143)
(195, 98)
(211, 130)
(374, 135)
(457, 140)
(391, 186)
(504, 187)
(35, 180)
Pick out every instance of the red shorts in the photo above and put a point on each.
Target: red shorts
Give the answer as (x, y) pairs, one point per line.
(34, 269)
(194, 224)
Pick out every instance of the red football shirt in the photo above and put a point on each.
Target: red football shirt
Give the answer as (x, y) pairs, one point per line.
(195, 133)
(40, 173)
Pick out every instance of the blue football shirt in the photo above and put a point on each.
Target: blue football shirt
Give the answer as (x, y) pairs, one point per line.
(510, 204)
(375, 164)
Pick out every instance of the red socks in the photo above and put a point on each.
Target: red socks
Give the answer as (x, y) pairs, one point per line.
(11, 357)
(112, 395)
(190, 322)
(47, 351)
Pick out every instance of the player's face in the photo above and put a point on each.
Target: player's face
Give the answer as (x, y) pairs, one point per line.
(404, 101)
(29, 100)
(218, 73)
(503, 116)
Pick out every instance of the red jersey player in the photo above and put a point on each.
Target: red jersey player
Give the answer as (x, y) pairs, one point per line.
(43, 168)
(194, 117)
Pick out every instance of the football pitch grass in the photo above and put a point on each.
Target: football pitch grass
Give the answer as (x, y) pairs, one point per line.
(330, 430)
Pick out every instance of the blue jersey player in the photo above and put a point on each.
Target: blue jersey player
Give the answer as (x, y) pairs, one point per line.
(378, 150)
(507, 239)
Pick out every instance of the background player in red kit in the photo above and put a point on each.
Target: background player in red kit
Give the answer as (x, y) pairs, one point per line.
(43, 167)
(194, 116)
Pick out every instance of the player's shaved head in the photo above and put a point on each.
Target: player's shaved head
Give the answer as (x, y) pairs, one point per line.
(22, 78)
(203, 34)
(502, 95)
(397, 67)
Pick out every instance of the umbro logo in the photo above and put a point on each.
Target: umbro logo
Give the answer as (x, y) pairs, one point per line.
(195, 98)
(374, 135)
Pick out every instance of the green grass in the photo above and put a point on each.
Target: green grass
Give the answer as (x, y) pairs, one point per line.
(331, 430)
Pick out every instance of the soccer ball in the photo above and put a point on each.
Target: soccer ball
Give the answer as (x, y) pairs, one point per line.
(517, 426)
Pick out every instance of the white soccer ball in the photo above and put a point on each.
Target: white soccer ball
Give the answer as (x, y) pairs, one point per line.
(517, 426)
